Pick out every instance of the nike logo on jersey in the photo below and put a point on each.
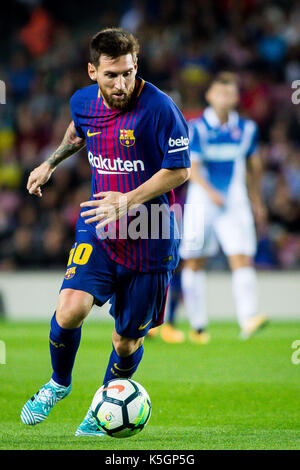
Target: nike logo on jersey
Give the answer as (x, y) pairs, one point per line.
(90, 134)
(142, 327)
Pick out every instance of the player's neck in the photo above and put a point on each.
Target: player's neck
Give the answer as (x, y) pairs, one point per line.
(222, 115)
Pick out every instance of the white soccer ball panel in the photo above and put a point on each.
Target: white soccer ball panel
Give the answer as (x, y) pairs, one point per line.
(142, 390)
(110, 415)
(120, 389)
(134, 408)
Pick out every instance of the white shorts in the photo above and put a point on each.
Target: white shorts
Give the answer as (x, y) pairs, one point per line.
(206, 226)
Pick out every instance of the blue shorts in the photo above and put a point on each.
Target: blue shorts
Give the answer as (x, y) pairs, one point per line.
(137, 299)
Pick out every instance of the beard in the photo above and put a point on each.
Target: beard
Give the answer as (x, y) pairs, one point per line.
(119, 103)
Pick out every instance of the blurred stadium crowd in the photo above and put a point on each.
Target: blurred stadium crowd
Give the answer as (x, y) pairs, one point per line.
(44, 52)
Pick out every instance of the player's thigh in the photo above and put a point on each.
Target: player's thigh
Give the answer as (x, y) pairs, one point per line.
(198, 240)
(235, 230)
(72, 308)
(89, 271)
(139, 302)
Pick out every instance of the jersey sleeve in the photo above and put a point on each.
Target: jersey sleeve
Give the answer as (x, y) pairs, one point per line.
(74, 107)
(173, 138)
(253, 140)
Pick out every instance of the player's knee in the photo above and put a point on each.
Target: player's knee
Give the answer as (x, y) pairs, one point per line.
(239, 261)
(126, 346)
(195, 264)
(72, 308)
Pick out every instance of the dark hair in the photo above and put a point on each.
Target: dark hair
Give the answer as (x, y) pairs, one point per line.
(112, 42)
(225, 78)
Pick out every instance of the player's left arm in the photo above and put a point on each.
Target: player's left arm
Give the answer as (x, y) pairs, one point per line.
(254, 178)
(113, 205)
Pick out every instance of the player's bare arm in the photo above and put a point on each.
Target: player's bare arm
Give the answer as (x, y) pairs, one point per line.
(213, 193)
(70, 144)
(113, 205)
(254, 173)
(161, 182)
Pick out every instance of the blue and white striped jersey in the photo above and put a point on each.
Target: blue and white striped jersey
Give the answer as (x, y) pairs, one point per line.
(223, 149)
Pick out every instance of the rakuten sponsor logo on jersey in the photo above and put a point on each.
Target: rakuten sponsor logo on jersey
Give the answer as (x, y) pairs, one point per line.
(115, 166)
(182, 143)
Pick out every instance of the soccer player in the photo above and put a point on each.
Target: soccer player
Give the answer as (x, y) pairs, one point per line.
(137, 146)
(223, 146)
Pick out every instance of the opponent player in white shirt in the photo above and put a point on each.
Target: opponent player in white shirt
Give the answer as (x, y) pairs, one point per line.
(218, 210)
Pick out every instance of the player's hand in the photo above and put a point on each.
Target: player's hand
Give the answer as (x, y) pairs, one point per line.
(38, 177)
(216, 198)
(111, 207)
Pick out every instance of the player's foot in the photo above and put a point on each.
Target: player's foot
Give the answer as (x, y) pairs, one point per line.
(171, 335)
(152, 333)
(37, 408)
(88, 427)
(197, 337)
(253, 325)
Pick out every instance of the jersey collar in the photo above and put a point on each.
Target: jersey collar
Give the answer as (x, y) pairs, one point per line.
(212, 119)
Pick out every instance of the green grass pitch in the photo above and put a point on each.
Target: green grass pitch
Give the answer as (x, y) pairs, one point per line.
(228, 394)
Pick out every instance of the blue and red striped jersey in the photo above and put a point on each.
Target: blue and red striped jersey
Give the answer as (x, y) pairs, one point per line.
(125, 148)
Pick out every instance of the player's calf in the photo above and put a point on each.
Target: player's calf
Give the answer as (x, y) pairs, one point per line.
(65, 333)
(125, 357)
(126, 346)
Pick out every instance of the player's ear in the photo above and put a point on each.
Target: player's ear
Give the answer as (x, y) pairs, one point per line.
(92, 72)
(207, 96)
(135, 63)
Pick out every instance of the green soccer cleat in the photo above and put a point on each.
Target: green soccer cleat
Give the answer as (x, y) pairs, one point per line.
(37, 408)
(88, 427)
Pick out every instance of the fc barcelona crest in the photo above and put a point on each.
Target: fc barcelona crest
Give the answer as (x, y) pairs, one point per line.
(126, 137)
(70, 272)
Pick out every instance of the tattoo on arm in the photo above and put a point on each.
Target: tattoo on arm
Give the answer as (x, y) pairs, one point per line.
(71, 144)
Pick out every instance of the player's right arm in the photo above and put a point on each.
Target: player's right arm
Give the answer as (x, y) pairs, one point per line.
(196, 162)
(70, 144)
(215, 196)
